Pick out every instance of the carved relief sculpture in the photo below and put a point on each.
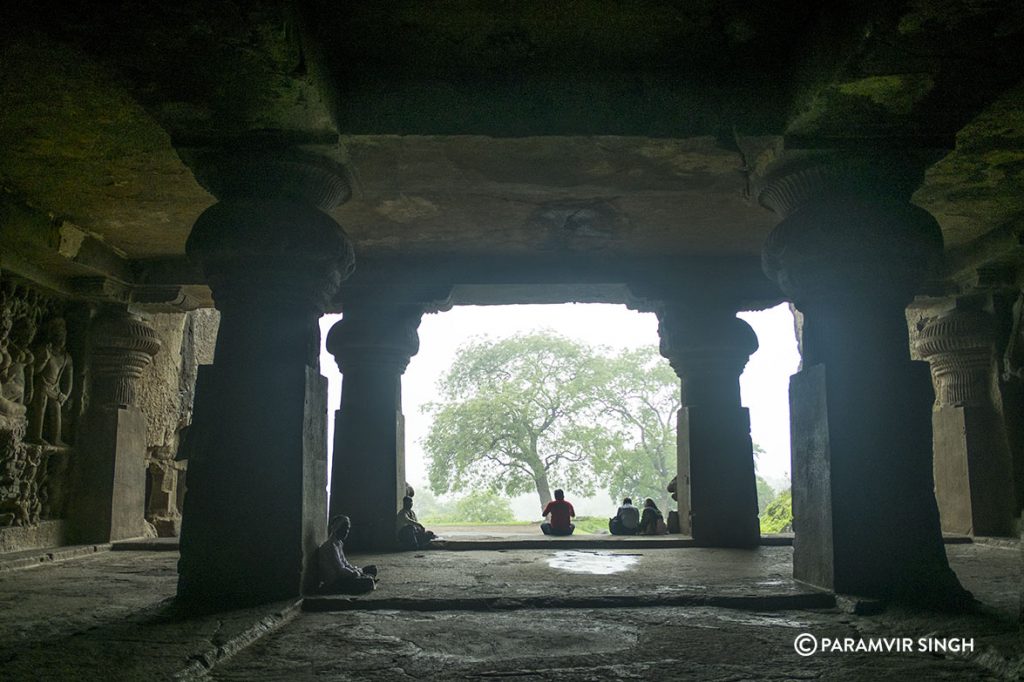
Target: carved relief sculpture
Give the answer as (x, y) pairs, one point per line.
(52, 383)
(10, 408)
(16, 379)
(30, 472)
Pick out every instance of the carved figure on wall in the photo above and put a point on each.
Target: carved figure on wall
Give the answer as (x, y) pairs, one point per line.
(9, 407)
(51, 385)
(20, 475)
(16, 379)
(30, 475)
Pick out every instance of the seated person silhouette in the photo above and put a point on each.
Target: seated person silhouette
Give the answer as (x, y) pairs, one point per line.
(626, 520)
(336, 574)
(410, 532)
(652, 522)
(560, 512)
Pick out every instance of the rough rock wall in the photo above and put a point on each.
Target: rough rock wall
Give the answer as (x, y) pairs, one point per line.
(166, 395)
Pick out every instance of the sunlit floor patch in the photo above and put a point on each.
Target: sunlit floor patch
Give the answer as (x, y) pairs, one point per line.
(595, 563)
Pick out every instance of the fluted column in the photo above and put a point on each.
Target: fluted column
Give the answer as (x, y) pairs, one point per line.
(849, 251)
(108, 499)
(973, 472)
(372, 345)
(708, 348)
(255, 507)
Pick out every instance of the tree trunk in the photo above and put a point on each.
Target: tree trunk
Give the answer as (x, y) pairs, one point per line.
(543, 488)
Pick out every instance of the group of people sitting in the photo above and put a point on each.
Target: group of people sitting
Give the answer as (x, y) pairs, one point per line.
(628, 520)
(338, 576)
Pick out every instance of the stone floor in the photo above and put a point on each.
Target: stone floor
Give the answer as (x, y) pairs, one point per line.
(523, 614)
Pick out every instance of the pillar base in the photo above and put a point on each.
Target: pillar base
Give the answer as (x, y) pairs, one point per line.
(865, 518)
(256, 504)
(715, 448)
(110, 483)
(370, 484)
(973, 475)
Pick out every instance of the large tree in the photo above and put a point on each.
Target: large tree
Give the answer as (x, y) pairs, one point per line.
(517, 415)
(638, 397)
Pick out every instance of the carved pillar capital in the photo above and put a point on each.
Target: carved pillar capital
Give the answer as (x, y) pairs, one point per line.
(270, 253)
(269, 241)
(122, 346)
(708, 349)
(848, 231)
(372, 336)
(959, 347)
(268, 166)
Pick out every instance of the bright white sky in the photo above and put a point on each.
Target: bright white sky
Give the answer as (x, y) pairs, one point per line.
(764, 384)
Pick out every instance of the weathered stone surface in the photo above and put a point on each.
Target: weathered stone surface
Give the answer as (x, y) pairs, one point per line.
(108, 501)
(76, 136)
(160, 389)
(165, 395)
(603, 131)
(981, 181)
(37, 398)
(46, 534)
(106, 616)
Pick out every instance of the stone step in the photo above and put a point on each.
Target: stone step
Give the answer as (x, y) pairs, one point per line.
(29, 558)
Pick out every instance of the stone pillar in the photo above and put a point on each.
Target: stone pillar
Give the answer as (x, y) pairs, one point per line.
(849, 251)
(708, 348)
(372, 345)
(255, 508)
(973, 472)
(108, 500)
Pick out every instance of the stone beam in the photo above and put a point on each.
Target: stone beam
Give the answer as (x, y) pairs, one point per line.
(57, 246)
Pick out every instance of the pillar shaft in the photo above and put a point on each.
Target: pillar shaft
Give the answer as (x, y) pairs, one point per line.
(372, 345)
(255, 507)
(108, 500)
(708, 350)
(973, 470)
(849, 252)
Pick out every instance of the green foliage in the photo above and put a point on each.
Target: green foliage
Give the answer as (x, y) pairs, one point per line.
(590, 525)
(778, 515)
(539, 411)
(484, 507)
(765, 493)
(638, 397)
(427, 506)
(478, 507)
(515, 416)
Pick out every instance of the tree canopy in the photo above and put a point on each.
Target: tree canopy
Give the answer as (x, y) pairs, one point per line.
(513, 415)
(638, 397)
(538, 411)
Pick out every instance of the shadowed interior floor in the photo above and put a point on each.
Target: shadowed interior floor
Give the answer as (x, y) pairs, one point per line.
(491, 614)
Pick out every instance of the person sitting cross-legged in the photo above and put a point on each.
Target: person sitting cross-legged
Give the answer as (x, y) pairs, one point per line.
(411, 533)
(561, 512)
(337, 575)
(626, 520)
